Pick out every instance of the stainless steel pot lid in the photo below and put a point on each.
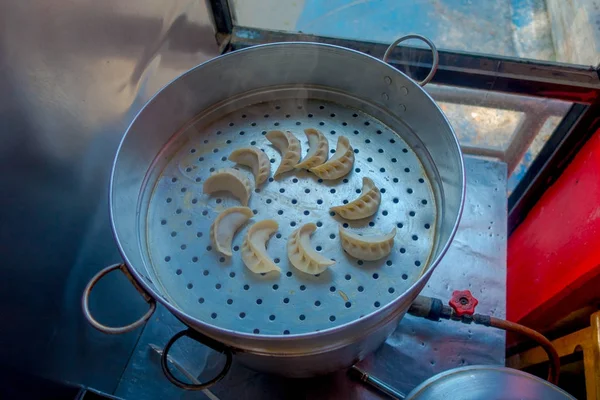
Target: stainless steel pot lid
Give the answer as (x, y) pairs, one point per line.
(478, 382)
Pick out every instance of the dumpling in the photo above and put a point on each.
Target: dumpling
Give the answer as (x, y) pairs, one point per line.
(229, 180)
(367, 248)
(288, 146)
(254, 248)
(302, 255)
(338, 165)
(319, 147)
(364, 206)
(226, 225)
(254, 158)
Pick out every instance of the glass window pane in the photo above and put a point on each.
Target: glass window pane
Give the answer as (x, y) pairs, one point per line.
(554, 30)
(493, 120)
(532, 152)
(510, 127)
(482, 126)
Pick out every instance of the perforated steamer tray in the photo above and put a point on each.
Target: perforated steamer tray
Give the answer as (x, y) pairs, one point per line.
(218, 290)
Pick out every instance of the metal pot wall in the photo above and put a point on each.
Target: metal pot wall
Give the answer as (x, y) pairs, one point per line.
(306, 74)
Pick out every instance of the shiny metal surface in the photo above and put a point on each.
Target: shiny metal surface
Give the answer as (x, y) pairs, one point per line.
(221, 291)
(417, 350)
(74, 74)
(477, 382)
(382, 92)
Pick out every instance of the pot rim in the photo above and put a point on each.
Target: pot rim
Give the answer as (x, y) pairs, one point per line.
(216, 331)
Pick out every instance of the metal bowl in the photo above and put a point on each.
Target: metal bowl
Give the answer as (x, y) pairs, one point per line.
(486, 382)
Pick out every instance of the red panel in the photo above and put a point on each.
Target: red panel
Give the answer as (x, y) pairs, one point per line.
(557, 248)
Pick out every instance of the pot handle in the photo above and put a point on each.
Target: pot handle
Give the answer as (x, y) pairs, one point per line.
(85, 302)
(205, 340)
(436, 54)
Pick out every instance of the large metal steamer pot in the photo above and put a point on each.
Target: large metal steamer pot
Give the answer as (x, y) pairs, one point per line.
(239, 79)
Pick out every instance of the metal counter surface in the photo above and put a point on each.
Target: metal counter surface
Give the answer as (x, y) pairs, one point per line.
(417, 350)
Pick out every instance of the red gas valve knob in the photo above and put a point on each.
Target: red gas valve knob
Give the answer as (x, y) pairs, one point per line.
(463, 302)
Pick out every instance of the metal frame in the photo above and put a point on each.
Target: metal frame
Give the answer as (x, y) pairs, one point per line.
(580, 123)
(222, 16)
(573, 83)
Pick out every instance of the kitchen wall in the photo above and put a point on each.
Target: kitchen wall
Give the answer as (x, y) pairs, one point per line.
(73, 73)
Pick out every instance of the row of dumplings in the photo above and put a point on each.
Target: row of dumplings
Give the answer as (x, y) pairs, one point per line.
(233, 181)
(316, 159)
(299, 250)
(289, 146)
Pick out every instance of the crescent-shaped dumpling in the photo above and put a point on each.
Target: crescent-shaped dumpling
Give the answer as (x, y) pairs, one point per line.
(254, 248)
(338, 165)
(230, 180)
(367, 248)
(288, 146)
(302, 255)
(318, 149)
(254, 158)
(364, 206)
(226, 225)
